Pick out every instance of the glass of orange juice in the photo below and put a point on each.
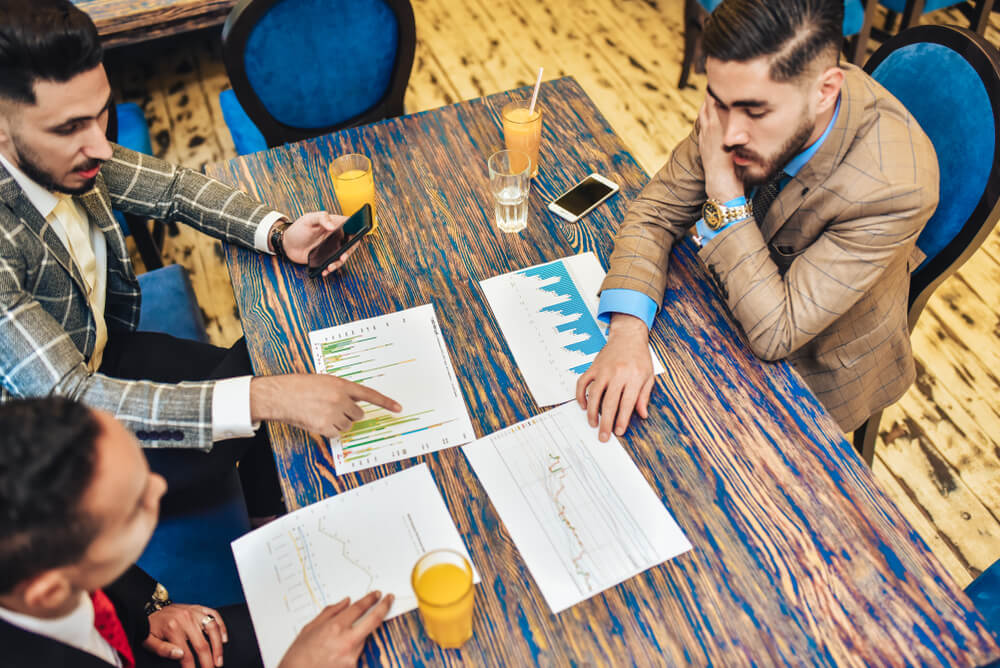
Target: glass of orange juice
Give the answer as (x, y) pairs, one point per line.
(354, 183)
(522, 130)
(442, 581)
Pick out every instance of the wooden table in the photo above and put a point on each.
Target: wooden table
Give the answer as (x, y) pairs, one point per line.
(128, 21)
(798, 557)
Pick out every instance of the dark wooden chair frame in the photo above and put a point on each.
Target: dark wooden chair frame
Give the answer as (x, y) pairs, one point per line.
(148, 244)
(985, 58)
(235, 33)
(694, 22)
(977, 11)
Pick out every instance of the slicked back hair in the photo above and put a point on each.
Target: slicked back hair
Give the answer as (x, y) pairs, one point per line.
(792, 32)
(49, 40)
(47, 458)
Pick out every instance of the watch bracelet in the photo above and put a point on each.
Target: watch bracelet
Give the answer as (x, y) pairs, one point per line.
(278, 238)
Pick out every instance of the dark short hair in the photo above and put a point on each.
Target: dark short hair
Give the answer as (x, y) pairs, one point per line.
(47, 453)
(796, 32)
(50, 40)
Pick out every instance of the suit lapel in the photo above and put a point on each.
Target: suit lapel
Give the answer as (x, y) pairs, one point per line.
(24, 649)
(98, 205)
(815, 172)
(15, 198)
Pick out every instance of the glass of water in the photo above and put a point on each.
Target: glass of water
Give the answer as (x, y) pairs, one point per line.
(510, 179)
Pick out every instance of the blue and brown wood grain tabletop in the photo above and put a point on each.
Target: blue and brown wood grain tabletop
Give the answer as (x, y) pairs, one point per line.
(799, 558)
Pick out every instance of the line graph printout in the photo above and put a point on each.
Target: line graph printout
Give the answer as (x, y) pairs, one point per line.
(581, 514)
(548, 315)
(347, 545)
(403, 356)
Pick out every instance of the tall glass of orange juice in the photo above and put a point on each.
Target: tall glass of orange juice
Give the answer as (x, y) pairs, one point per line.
(522, 130)
(442, 581)
(354, 183)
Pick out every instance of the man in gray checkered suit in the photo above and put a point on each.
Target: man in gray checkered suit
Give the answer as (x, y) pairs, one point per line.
(69, 299)
(812, 183)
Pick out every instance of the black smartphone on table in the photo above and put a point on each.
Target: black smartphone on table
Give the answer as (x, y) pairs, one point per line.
(340, 241)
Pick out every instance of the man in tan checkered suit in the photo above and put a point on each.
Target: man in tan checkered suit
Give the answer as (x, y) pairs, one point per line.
(812, 184)
(69, 299)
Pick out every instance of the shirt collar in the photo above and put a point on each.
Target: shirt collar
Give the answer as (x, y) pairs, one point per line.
(43, 200)
(799, 161)
(73, 629)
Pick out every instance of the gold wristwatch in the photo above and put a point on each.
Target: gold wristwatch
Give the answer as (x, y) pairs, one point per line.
(717, 215)
(158, 601)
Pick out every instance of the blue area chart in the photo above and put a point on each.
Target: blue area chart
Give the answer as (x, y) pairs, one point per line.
(578, 330)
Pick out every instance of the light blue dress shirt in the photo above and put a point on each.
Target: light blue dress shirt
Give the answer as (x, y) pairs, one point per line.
(635, 303)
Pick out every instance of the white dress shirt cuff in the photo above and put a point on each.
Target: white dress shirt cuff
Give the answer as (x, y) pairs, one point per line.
(231, 409)
(260, 236)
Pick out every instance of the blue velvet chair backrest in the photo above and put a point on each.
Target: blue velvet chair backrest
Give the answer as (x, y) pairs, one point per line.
(899, 6)
(131, 132)
(985, 594)
(854, 14)
(315, 63)
(959, 120)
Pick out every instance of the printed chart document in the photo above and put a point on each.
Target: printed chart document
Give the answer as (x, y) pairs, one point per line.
(581, 514)
(548, 314)
(403, 356)
(348, 545)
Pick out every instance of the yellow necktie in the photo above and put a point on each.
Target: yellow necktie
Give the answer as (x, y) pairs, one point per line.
(81, 249)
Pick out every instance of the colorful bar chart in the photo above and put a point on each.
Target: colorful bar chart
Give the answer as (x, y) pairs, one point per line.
(404, 356)
(548, 315)
(579, 329)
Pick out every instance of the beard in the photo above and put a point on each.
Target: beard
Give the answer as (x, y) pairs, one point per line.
(770, 167)
(27, 162)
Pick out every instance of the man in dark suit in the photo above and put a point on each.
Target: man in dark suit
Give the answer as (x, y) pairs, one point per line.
(77, 505)
(69, 299)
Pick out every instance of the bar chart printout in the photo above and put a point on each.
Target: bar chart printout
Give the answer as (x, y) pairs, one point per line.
(548, 315)
(581, 514)
(296, 565)
(403, 356)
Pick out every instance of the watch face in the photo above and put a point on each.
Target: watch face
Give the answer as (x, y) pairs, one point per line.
(712, 215)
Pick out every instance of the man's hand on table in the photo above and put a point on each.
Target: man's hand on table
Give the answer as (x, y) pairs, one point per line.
(319, 403)
(620, 379)
(309, 231)
(337, 635)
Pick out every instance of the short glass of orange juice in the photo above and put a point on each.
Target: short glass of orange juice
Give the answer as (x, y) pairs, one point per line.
(442, 581)
(522, 130)
(354, 183)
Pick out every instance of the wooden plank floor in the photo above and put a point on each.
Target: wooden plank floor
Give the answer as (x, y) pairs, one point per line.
(939, 452)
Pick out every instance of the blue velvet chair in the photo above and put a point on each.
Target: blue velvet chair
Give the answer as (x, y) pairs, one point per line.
(190, 550)
(985, 594)
(127, 126)
(962, 120)
(858, 16)
(977, 11)
(303, 68)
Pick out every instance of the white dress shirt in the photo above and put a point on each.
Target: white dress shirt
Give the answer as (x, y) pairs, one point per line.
(75, 629)
(231, 397)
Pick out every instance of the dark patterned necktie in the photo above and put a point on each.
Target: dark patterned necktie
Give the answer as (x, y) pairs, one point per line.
(110, 627)
(765, 196)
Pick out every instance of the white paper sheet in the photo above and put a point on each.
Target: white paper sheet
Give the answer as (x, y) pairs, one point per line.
(548, 315)
(581, 514)
(348, 545)
(403, 356)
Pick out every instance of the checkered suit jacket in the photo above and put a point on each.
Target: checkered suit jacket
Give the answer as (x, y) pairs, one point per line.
(823, 280)
(47, 330)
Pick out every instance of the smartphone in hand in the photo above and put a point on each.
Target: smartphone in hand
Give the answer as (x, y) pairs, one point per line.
(338, 242)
